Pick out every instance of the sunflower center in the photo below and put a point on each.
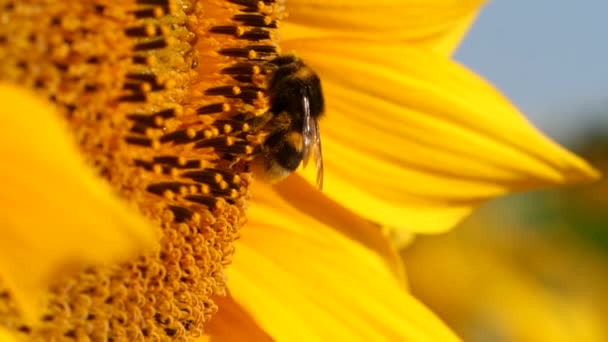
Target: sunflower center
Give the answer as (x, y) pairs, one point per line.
(162, 97)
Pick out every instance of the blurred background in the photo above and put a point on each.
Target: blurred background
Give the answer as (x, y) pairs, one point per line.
(532, 267)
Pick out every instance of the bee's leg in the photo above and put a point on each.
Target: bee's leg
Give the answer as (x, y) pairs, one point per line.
(286, 150)
(260, 121)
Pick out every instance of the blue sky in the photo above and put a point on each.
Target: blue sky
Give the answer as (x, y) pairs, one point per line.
(550, 57)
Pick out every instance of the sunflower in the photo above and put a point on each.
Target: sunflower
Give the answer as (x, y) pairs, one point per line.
(522, 287)
(162, 99)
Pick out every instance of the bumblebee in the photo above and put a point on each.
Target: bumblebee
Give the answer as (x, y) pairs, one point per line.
(296, 104)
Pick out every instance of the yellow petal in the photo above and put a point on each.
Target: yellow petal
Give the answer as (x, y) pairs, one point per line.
(232, 323)
(295, 192)
(413, 140)
(56, 213)
(448, 41)
(306, 282)
(438, 25)
(521, 287)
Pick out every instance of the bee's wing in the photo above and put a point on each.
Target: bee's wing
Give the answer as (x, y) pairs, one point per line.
(316, 150)
(312, 142)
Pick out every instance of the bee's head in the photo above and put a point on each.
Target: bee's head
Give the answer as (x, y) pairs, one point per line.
(292, 80)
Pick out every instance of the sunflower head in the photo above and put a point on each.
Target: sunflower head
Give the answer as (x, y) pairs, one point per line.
(163, 99)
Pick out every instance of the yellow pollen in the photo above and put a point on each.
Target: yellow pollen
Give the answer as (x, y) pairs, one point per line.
(150, 61)
(164, 30)
(223, 185)
(158, 121)
(158, 12)
(240, 31)
(170, 83)
(145, 87)
(169, 195)
(196, 218)
(156, 145)
(220, 203)
(150, 30)
(260, 95)
(191, 133)
(234, 194)
(158, 169)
